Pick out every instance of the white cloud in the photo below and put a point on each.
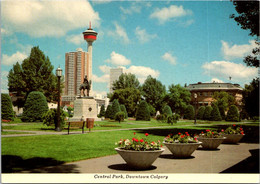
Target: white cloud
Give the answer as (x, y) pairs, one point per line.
(216, 80)
(143, 36)
(134, 8)
(168, 57)
(237, 51)
(47, 18)
(168, 13)
(10, 60)
(105, 69)
(119, 33)
(226, 69)
(102, 79)
(142, 72)
(118, 59)
(75, 39)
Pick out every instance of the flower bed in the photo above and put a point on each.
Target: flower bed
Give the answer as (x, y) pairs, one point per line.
(233, 134)
(211, 139)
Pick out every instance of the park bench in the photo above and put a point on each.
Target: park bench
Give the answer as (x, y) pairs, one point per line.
(77, 124)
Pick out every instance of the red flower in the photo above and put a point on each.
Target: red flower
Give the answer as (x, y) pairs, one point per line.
(146, 134)
(242, 133)
(234, 125)
(182, 136)
(141, 140)
(212, 132)
(241, 129)
(179, 133)
(222, 130)
(207, 130)
(195, 138)
(134, 133)
(186, 133)
(202, 132)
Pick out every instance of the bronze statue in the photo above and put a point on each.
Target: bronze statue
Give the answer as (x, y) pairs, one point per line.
(86, 85)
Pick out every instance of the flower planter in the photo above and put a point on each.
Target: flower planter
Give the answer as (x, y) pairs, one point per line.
(139, 159)
(182, 150)
(211, 143)
(232, 138)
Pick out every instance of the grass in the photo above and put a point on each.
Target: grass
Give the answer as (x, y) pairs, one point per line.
(14, 132)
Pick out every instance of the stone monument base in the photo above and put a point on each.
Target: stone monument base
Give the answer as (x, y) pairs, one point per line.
(85, 107)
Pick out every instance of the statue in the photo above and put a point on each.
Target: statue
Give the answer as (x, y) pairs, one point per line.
(85, 86)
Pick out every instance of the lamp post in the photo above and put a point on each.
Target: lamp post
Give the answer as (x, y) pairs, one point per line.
(195, 97)
(58, 74)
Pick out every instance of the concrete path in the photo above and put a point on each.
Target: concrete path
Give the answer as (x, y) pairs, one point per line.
(226, 159)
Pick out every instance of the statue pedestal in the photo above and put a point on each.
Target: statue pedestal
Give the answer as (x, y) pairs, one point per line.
(86, 107)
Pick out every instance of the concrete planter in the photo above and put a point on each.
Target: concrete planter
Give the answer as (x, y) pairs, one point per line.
(232, 138)
(139, 159)
(211, 143)
(182, 150)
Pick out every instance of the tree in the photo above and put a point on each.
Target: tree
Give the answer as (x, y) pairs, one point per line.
(126, 80)
(128, 97)
(152, 110)
(167, 110)
(142, 112)
(34, 74)
(200, 113)
(50, 118)
(7, 112)
(207, 113)
(248, 19)
(115, 109)
(223, 100)
(215, 114)
(120, 116)
(34, 107)
(189, 112)
(153, 91)
(108, 111)
(251, 98)
(102, 111)
(233, 114)
(178, 98)
(123, 109)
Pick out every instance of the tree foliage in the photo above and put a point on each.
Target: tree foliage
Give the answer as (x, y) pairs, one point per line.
(167, 110)
(50, 118)
(215, 114)
(108, 111)
(34, 74)
(207, 113)
(120, 116)
(128, 97)
(7, 112)
(233, 114)
(126, 80)
(189, 112)
(201, 112)
(115, 108)
(178, 98)
(142, 112)
(153, 91)
(123, 109)
(251, 98)
(34, 107)
(223, 100)
(102, 111)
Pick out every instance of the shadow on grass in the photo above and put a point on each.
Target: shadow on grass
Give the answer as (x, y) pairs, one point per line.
(125, 167)
(249, 165)
(14, 164)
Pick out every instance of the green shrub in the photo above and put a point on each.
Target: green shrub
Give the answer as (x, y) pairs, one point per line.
(167, 110)
(200, 112)
(102, 111)
(222, 112)
(207, 113)
(120, 116)
(173, 118)
(142, 112)
(35, 106)
(152, 110)
(162, 118)
(215, 114)
(233, 114)
(108, 111)
(189, 112)
(123, 109)
(50, 118)
(7, 112)
(115, 109)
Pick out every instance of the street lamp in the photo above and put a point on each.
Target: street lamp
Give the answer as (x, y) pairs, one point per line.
(58, 74)
(195, 97)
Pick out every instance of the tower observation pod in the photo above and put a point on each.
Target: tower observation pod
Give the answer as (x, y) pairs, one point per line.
(90, 36)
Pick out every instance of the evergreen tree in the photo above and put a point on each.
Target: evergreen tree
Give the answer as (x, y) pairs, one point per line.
(201, 112)
(102, 111)
(167, 110)
(189, 112)
(142, 112)
(222, 112)
(215, 114)
(108, 111)
(34, 107)
(123, 109)
(120, 116)
(207, 113)
(115, 109)
(233, 114)
(7, 112)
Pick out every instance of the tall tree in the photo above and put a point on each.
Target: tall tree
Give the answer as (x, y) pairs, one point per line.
(115, 108)
(128, 97)
(34, 74)
(126, 80)
(143, 112)
(223, 100)
(178, 98)
(153, 91)
(7, 112)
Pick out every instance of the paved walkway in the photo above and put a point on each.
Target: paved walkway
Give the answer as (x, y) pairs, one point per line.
(226, 159)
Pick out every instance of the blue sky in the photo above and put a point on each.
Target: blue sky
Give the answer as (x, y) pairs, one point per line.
(176, 42)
